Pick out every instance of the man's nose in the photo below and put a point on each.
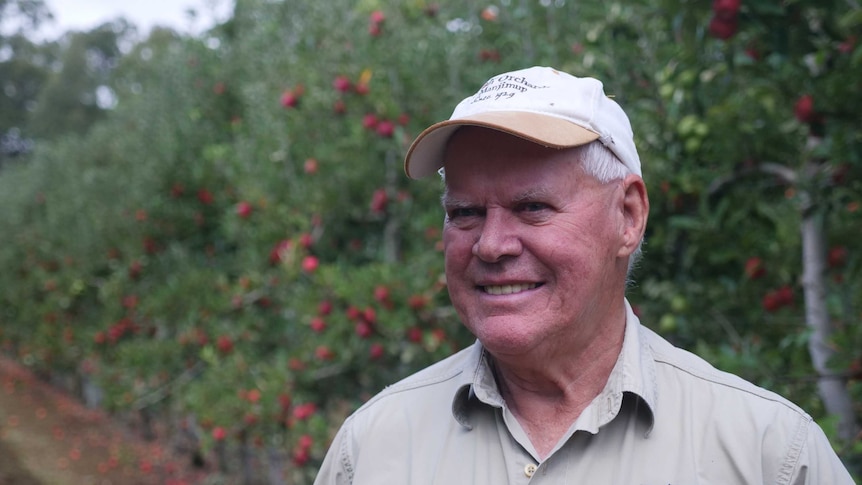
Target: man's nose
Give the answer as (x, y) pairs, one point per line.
(498, 237)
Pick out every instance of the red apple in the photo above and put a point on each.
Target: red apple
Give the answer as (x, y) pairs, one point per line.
(224, 344)
(377, 17)
(379, 201)
(754, 268)
(205, 196)
(342, 84)
(305, 441)
(385, 128)
(324, 353)
(304, 411)
(376, 351)
(369, 121)
(785, 295)
(353, 313)
(306, 240)
(310, 166)
(417, 302)
(804, 109)
(289, 99)
(726, 9)
(771, 302)
(324, 308)
(364, 329)
(490, 13)
(300, 456)
(414, 334)
(310, 264)
(369, 315)
(381, 293)
(318, 324)
(243, 209)
(723, 28)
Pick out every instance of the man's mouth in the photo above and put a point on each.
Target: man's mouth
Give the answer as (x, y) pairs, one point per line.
(508, 289)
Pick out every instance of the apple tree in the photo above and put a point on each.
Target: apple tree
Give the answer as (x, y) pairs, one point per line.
(235, 249)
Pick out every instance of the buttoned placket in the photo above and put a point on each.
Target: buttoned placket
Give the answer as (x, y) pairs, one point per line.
(535, 472)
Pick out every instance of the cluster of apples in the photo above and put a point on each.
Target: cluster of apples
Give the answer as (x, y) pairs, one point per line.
(725, 18)
(778, 298)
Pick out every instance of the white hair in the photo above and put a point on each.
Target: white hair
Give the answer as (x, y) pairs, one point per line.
(599, 162)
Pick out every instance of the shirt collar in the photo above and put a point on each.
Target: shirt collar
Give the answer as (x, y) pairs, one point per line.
(633, 376)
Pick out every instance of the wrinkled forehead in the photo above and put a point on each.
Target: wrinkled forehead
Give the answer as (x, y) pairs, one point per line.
(479, 149)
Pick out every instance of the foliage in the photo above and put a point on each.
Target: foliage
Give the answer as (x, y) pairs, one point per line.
(236, 241)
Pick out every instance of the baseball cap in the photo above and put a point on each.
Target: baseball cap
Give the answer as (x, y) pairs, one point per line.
(540, 104)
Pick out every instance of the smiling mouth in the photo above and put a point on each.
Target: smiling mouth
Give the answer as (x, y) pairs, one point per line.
(508, 289)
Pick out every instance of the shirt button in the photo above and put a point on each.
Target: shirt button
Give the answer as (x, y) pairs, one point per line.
(529, 470)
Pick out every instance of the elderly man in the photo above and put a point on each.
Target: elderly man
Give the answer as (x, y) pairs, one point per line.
(545, 211)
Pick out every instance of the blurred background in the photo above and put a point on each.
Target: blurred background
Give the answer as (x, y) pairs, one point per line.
(206, 233)
(185, 16)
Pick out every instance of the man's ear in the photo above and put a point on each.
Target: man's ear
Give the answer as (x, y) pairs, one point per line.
(635, 211)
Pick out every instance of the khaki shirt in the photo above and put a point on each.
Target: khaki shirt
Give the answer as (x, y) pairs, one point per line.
(665, 417)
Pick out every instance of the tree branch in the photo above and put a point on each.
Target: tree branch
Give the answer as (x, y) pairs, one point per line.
(784, 173)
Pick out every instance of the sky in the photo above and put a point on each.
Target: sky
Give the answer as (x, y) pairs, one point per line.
(86, 14)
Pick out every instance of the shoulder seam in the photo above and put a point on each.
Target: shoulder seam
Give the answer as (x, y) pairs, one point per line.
(408, 385)
(718, 377)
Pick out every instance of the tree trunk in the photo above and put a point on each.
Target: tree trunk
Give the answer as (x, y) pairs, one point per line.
(832, 387)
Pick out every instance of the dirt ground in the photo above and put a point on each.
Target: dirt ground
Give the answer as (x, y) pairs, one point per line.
(48, 437)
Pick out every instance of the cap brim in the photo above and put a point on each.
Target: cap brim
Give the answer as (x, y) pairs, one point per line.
(425, 155)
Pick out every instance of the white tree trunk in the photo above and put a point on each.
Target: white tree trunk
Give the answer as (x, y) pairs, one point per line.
(832, 387)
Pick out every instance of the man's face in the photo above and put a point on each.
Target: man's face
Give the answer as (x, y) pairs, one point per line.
(532, 244)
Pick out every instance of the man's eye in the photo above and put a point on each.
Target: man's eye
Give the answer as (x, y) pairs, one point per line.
(462, 212)
(533, 207)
